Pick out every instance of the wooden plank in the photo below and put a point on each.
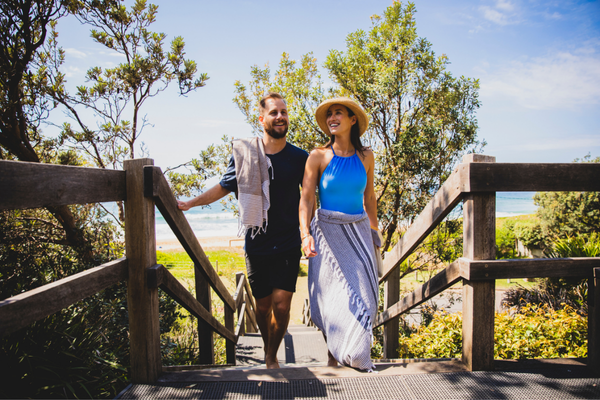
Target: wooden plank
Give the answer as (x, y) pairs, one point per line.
(229, 345)
(479, 243)
(57, 185)
(239, 298)
(240, 322)
(170, 284)
(206, 343)
(508, 177)
(142, 301)
(157, 187)
(593, 359)
(532, 268)
(391, 334)
(440, 282)
(251, 324)
(442, 203)
(23, 309)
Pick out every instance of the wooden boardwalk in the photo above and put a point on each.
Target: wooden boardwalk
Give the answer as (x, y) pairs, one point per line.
(304, 375)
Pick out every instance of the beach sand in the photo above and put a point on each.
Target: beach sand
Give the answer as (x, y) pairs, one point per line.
(236, 244)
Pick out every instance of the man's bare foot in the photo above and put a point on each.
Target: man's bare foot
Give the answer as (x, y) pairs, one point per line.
(272, 364)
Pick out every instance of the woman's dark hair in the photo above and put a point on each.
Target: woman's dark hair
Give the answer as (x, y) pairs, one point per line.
(354, 136)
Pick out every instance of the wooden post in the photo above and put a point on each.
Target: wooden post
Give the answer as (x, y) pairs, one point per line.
(239, 276)
(593, 358)
(479, 243)
(390, 329)
(142, 302)
(206, 346)
(229, 346)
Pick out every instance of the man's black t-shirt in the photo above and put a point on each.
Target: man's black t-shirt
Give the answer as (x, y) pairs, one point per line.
(286, 176)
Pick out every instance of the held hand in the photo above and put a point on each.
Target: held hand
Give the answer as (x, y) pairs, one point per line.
(183, 205)
(308, 246)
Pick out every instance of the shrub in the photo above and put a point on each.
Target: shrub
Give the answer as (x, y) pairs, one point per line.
(532, 332)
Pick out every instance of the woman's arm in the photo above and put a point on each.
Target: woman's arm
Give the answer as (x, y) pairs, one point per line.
(370, 201)
(308, 200)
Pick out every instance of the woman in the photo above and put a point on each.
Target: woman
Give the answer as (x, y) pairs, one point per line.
(342, 278)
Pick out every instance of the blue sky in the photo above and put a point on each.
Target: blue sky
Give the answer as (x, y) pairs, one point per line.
(538, 63)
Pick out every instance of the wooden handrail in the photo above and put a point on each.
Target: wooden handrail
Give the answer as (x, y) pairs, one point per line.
(156, 186)
(159, 276)
(521, 177)
(23, 309)
(463, 268)
(57, 185)
(440, 282)
(442, 203)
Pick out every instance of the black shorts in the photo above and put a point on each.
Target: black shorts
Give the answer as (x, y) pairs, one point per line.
(266, 272)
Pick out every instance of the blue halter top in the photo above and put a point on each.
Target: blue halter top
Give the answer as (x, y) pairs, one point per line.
(343, 184)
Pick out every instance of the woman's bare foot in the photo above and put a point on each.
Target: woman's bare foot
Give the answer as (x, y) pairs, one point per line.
(331, 362)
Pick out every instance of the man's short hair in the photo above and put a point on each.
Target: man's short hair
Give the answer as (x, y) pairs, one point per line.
(263, 101)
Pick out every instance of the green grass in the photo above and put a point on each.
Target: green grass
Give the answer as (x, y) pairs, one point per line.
(226, 263)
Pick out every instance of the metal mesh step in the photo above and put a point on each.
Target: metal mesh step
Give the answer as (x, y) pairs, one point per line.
(546, 385)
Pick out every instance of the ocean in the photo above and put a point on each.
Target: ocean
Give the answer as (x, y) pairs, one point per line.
(214, 222)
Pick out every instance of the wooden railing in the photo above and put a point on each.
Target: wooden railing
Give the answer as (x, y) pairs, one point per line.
(140, 186)
(475, 182)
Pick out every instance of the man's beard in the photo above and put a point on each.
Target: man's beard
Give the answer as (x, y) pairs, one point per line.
(270, 130)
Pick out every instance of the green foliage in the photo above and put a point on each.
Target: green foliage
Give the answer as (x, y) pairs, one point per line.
(148, 69)
(442, 338)
(530, 234)
(564, 214)
(540, 332)
(505, 241)
(578, 246)
(532, 332)
(301, 86)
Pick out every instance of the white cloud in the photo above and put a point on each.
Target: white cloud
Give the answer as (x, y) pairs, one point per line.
(75, 53)
(502, 13)
(563, 80)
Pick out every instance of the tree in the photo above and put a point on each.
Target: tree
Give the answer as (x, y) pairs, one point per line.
(303, 90)
(564, 214)
(422, 118)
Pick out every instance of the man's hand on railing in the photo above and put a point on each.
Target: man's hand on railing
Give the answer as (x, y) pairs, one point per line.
(183, 205)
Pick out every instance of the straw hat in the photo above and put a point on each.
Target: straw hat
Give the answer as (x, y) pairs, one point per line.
(361, 115)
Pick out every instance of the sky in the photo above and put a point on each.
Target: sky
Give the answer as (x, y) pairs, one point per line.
(538, 63)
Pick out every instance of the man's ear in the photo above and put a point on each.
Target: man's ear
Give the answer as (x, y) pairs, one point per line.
(261, 119)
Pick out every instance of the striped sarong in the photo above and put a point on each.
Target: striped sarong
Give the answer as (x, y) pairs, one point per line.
(343, 285)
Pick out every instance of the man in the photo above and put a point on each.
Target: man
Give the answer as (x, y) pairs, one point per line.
(270, 217)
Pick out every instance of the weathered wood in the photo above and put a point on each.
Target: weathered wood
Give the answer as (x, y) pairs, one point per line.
(57, 185)
(206, 343)
(23, 309)
(157, 187)
(230, 344)
(240, 305)
(507, 177)
(167, 282)
(440, 282)
(479, 243)
(593, 358)
(442, 203)
(240, 323)
(251, 324)
(391, 333)
(142, 301)
(238, 296)
(531, 268)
